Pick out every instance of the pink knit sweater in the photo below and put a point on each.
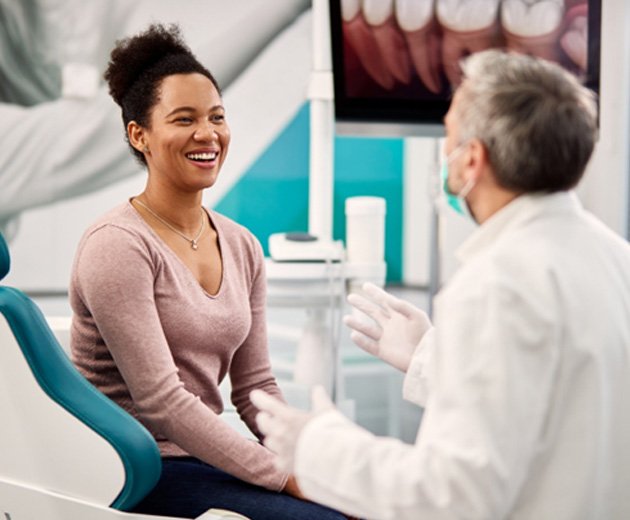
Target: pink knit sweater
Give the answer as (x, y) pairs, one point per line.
(147, 335)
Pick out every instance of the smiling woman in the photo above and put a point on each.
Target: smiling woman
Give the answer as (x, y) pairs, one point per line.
(187, 138)
(168, 297)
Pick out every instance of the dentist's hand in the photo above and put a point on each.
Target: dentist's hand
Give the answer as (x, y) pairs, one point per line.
(281, 424)
(396, 331)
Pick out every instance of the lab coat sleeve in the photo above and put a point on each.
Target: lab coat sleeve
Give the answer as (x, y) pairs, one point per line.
(494, 370)
(416, 385)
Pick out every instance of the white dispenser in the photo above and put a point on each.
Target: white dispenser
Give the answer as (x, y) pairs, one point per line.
(365, 230)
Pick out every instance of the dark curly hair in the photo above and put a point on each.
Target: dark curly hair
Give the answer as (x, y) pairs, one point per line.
(138, 65)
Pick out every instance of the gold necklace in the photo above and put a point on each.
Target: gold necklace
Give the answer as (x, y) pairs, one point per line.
(193, 241)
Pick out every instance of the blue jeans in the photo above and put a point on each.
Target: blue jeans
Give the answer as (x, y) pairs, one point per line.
(189, 487)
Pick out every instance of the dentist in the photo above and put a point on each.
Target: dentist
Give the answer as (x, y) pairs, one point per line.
(525, 376)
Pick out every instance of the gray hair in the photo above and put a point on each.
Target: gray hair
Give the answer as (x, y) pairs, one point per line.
(538, 123)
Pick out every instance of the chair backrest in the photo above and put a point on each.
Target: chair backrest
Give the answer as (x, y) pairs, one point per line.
(57, 431)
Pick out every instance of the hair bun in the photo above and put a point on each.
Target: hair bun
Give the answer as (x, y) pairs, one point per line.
(133, 56)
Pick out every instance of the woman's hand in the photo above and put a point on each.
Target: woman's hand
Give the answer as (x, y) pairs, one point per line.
(292, 488)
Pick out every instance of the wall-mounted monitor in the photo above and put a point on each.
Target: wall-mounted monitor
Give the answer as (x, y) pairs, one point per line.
(395, 62)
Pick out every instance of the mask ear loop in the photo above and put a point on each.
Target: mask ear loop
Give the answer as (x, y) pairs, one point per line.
(457, 201)
(448, 159)
(463, 193)
(467, 188)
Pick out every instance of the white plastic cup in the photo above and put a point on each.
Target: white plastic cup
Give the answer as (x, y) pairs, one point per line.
(365, 230)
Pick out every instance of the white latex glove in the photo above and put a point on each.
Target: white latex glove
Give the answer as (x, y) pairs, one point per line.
(281, 424)
(397, 328)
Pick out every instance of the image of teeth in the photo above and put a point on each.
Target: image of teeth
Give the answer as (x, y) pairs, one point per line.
(360, 38)
(533, 26)
(417, 21)
(468, 26)
(379, 15)
(574, 40)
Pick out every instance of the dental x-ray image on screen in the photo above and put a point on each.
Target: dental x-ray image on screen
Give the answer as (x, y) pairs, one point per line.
(396, 61)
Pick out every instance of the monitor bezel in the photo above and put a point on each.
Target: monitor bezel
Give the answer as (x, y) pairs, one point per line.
(418, 117)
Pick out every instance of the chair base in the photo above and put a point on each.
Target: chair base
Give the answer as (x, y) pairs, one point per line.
(21, 502)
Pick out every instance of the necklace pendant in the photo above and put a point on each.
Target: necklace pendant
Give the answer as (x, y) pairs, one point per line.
(193, 244)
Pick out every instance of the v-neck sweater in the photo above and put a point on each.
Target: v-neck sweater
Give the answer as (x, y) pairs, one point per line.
(146, 333)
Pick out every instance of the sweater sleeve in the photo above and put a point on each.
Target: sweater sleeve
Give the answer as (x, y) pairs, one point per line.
(114, 275)
(251, 367)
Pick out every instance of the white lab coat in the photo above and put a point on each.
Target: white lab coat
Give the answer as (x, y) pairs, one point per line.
(526, 382)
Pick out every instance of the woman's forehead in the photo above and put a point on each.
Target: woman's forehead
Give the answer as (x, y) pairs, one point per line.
(193, 90)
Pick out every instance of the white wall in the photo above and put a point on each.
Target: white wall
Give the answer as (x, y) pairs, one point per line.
(604, 190)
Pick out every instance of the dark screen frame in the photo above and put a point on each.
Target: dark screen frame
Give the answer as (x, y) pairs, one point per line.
(421, 116)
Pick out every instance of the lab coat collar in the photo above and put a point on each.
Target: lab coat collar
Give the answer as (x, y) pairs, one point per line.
(522, 208)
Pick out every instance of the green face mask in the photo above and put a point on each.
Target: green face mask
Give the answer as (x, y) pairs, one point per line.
(456, 201)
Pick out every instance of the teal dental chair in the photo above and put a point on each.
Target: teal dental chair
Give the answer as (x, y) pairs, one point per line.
(67, 452)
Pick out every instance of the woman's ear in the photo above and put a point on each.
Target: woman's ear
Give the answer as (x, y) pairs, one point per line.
(137, 137)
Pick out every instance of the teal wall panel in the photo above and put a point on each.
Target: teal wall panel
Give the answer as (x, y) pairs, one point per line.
(369, 166)
(272, 196)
